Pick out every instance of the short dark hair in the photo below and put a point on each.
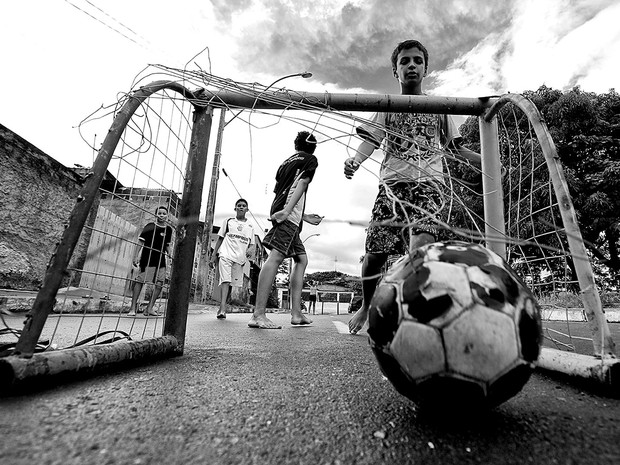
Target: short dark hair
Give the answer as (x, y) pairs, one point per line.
(241, 200)
(160, 207)
(406, 45)
(305, 142)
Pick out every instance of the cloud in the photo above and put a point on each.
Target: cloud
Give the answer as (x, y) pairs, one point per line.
(560, 44)
(224, 10)
(475, 48)
(350, 43)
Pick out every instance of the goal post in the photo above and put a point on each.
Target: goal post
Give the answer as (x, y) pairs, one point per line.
(601, 337)
(24, 365)
(498, 224)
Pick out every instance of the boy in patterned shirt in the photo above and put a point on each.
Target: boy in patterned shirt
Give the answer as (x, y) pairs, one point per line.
(411, 175)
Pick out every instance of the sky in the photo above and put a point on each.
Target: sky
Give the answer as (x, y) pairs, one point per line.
(62, 60)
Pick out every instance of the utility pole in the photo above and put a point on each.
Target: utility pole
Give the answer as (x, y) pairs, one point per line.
(205, 253)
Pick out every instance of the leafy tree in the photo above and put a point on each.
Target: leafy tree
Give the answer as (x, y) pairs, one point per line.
(585, 128)
(337, 278)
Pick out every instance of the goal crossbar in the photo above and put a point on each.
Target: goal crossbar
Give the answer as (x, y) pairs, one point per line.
(203, 102)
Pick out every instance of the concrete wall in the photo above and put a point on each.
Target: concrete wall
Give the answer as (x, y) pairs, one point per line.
(37, 194)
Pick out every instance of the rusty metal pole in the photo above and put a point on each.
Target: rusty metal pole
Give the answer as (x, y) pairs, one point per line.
(187, 229)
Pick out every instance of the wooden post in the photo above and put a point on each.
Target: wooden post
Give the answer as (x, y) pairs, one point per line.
(187, 229)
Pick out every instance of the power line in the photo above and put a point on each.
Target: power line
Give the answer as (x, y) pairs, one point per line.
(105, 24)
(113, 19)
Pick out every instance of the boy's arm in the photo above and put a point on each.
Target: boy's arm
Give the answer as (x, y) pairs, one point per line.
(250, 251)
(464, 152)
(136, 258)
(218, 243)
(351, 165)
(312, 218)
(470, 155)
(283, 214)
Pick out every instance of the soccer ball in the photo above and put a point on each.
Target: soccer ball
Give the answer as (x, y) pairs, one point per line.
(453, 326)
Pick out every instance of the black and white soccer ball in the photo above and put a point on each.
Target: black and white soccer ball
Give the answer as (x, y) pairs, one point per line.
(452, 325)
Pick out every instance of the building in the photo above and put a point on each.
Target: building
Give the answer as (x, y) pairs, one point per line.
(38, 195)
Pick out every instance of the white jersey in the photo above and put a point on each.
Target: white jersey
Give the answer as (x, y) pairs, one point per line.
(237, 237)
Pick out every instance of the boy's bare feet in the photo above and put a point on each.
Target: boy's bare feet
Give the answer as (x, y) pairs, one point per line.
(300, 320)
(262, 322)
(357, 321)
(131, 313)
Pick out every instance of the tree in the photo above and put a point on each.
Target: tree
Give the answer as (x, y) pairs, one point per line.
(337, 278)
(585, 128)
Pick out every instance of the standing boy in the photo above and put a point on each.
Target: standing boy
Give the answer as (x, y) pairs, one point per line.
(150, 258)
(312, 297)
(287, 215)
(234, 246)
(411, 174)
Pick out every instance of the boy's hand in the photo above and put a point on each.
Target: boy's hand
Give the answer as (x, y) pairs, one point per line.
(313, 218)
(280, 216)
(350, 167)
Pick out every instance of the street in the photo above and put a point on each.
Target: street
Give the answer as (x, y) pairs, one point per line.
(299, 395)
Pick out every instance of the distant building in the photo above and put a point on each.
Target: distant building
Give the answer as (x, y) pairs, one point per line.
(38, 195)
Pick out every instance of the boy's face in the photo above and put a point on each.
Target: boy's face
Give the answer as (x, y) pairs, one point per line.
(241, 208)
(162, 215)
(410, 67)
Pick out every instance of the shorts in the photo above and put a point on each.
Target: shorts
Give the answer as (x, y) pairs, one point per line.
(312, 298)
(401, 210)
(284, 237)
(151, 274)
(230, 272)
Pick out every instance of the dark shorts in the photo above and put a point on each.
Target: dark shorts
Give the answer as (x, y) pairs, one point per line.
(312, 298)
(402, 210)
(151, 274)
(284, 237)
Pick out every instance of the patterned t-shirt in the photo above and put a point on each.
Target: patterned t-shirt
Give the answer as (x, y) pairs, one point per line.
(413, 144)
(238, 236)
(291, 171)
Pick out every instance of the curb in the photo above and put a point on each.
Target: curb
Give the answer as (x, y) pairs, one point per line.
(93, 305)
(603, 371)
(612, 315)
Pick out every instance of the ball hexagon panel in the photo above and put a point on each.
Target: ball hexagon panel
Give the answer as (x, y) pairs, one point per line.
(530, 328)
(481, 343)
(383, 315)
(446, 294)
(403, 267)
(460, 252)
(419, 349)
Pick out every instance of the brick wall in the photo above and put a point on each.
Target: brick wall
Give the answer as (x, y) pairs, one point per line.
(37, 194)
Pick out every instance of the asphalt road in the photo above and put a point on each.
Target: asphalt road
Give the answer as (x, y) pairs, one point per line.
(309, 395)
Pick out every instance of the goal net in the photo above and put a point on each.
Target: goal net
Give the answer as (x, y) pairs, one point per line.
(155, 155)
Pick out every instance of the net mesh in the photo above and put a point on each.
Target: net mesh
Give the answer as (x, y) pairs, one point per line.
(148, 170)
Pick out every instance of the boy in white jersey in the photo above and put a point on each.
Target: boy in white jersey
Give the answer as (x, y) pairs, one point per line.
(233, 248)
